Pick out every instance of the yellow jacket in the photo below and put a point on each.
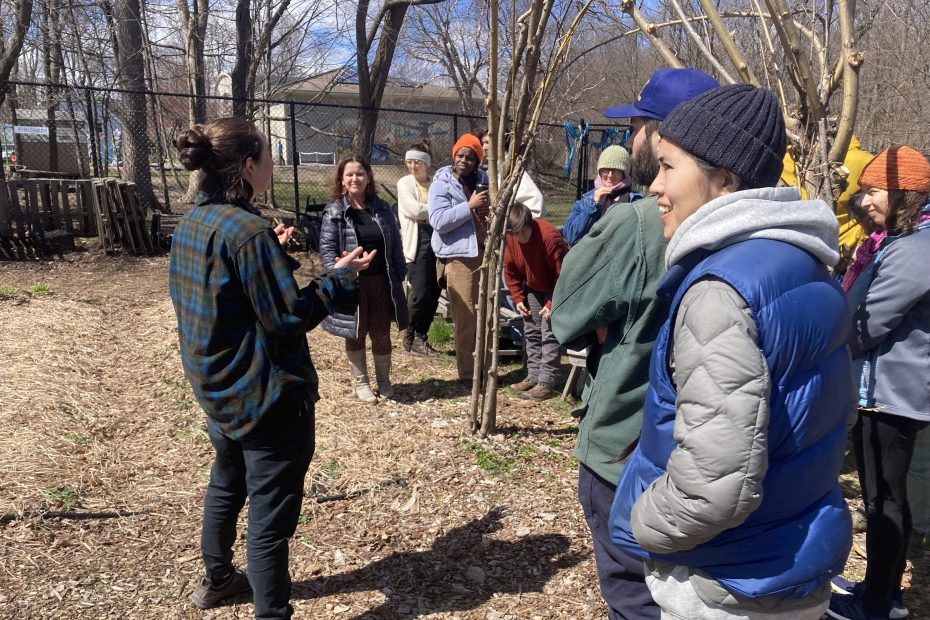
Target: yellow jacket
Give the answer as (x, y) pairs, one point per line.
(851, 234)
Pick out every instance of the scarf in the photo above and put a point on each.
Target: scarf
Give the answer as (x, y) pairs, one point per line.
(866, 252)
(626, 183)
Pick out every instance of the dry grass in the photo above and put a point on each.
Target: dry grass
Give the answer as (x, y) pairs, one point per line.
(101, 418)
(98, 417)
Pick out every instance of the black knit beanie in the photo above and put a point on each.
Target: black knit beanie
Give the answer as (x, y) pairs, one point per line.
(737, 127)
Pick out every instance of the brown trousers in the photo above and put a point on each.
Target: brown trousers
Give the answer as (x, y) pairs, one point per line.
(375, 311)
(462, 282)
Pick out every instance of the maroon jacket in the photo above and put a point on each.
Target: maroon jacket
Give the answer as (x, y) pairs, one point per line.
(535, 264)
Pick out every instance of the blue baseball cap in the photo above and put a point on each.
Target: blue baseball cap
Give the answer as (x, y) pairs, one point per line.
(664, 90)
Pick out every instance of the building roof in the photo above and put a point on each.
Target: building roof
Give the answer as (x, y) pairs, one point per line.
(344, 82)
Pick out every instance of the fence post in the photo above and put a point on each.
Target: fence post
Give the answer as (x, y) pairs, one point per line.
(95, 156)
(582, 162)
(455, 128)
(294, 158)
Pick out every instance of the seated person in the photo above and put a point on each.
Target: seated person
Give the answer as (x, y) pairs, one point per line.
(612, 185)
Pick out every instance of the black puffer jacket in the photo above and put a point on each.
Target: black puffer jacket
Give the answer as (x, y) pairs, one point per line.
(337, 235)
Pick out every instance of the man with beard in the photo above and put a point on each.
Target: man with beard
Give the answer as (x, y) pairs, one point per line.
(605, 299)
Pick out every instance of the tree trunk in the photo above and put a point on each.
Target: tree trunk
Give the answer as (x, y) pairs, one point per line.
(9, 55)
(371, 83)
(51, 50)
(135, 138)
(502, 183)
(160, 145)
(194, 20)
(266, 108)
(14, 120)
(245, 50)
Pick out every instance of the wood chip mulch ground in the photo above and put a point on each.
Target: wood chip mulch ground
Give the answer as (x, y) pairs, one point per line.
(418, 517)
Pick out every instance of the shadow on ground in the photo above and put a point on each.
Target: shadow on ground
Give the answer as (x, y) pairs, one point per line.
(538, 430)
(410, 393)
(463, 570)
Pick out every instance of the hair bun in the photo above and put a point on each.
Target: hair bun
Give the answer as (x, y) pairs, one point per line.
(194, 147)
(424, 145)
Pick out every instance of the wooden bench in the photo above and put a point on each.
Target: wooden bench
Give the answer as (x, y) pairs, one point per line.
(579, 368)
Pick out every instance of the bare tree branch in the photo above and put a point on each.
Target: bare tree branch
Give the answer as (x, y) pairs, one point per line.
(629, 7)
(9, 55)
(729, 45)
(798, 69)
(853, 61)
(387, 8)
(700, 44)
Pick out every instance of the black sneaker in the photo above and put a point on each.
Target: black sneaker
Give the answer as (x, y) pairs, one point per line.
(852, 607)
(207, 596)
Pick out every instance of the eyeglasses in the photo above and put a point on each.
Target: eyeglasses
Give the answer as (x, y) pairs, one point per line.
(607, 172)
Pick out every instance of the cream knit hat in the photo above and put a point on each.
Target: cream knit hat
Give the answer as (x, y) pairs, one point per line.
(615, 157)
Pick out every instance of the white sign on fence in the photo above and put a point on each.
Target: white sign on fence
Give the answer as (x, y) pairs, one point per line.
(26, 129)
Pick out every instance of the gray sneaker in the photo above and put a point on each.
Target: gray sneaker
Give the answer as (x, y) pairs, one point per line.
(207, 596)
(420, 347)
(859, 520)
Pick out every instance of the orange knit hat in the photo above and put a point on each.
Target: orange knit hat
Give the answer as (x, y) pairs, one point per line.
(898, 167)
(469, 141)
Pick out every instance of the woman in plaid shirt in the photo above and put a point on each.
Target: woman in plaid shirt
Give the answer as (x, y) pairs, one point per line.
(242, 323)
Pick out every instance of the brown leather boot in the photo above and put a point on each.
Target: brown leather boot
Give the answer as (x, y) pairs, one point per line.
(526, 384)
(539, 393)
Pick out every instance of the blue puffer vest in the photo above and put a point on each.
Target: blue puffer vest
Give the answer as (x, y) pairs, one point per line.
(799, 536)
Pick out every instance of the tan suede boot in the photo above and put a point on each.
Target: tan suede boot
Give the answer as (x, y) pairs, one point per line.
(359, 367)
(383, 375)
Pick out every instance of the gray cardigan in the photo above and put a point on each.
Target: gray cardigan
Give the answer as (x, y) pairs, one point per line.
(892, 331)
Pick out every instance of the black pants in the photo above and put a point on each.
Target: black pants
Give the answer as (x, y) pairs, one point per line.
(622, 577)
(883, 445)
(268, 466)
(424, 290)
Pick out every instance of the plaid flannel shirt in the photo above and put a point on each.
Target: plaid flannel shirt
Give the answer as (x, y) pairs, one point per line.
(242, 319)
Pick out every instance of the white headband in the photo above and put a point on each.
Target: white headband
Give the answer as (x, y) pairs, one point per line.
(418, 156)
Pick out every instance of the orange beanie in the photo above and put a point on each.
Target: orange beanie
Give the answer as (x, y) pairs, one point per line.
(469, 141)
(898, 167)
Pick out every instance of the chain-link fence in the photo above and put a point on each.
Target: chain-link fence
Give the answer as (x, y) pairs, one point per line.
(85, 132)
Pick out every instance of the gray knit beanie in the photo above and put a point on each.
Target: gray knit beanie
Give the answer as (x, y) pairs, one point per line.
(737, 127)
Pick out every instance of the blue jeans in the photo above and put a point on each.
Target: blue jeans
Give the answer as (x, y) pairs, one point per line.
(268, 466)
(622, 577)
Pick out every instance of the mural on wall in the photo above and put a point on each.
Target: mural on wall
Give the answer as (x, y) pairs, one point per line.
(395, 135)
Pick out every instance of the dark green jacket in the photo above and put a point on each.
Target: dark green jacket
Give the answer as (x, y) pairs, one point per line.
(610, 278)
